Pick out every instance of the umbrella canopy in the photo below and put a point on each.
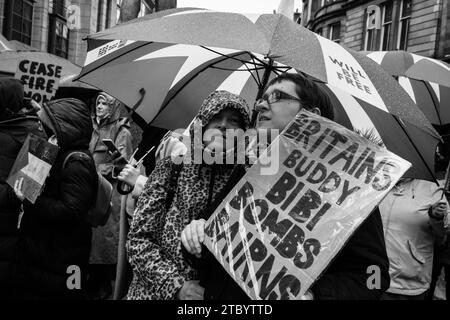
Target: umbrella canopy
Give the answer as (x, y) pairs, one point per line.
(424, 79)
(280, 39)
(176, 77)
(403, 139)
(433, 99)
(75, 89)
(67, 81)
(402, 63)
(202, 70)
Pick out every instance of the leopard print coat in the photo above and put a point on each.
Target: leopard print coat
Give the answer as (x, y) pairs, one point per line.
(154, 246)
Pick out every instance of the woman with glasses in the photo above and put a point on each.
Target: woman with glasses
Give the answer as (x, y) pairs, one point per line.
(346, 277)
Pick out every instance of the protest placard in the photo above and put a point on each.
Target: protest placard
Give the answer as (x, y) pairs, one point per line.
(33, 164)
(40, 77)
(275, 234)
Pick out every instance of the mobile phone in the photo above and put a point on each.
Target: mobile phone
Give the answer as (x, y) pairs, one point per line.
(110, 145)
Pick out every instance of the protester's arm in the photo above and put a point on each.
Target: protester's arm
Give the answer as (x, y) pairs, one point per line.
(149, 261)
(351, 275)
(77, 186)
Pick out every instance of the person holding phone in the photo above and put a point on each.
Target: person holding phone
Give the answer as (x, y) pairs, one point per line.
(108, 126)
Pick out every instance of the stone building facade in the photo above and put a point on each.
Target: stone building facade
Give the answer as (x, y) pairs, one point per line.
(59, 26)
(418, 26)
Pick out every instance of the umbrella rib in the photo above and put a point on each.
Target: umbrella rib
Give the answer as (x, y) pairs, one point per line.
(257, 79)
(230, 57)
(415, 147)
(435, 104)
(166, 103)
(77, 78)
(234, 70)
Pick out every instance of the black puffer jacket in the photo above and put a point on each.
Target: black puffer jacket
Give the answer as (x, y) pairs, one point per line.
(54, 234)
(14, 128)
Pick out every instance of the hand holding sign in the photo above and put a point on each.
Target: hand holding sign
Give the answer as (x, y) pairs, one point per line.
(18, 189)
(193, 236)
(191, 290)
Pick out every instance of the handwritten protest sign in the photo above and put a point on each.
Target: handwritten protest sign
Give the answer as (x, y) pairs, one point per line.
(275, 234)
(41, 77)
(33, 164)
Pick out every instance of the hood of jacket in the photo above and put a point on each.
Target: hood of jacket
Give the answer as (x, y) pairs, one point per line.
(212, 105)
(114, 113)
(70, 120)
(11, 95)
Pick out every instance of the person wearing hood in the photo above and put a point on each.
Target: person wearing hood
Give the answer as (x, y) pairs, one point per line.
(54, 233)
(153, 246)
(345, 278)
(16, 122)
(107, 125)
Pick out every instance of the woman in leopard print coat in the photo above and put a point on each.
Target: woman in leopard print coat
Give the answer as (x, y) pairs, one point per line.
(153, 246)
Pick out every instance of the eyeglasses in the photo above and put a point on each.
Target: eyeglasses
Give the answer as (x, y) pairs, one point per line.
(276, 96)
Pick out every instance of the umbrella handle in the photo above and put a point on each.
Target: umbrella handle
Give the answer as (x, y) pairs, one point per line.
(138, 103)
(123, 188)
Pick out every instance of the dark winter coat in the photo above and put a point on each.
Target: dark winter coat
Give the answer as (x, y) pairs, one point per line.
(14, 128)
(105, 238)
(54, 237)
(345, 279)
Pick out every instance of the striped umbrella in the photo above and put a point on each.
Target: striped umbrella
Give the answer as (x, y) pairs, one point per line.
(177, 78)
(403, 139)
(195, 72)
(276, 38)
(432, 98)
(426, 80)
(402, 63)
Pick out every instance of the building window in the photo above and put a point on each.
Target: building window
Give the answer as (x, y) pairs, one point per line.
(386, 16)
(379, 39)
(405, 16)
(58, 41)
(334, 32)
(18, 26)
(100, 15)
(108, 14)
(57, 7)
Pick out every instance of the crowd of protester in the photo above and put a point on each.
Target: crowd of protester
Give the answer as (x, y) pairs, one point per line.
(162, 256)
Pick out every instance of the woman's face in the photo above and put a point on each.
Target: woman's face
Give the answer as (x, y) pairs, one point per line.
(214, 135)
(102, 109)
